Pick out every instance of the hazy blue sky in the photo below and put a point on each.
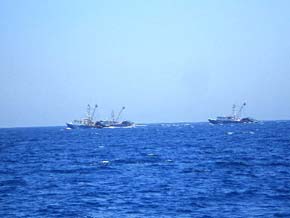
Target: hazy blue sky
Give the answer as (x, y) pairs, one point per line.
(166, 61)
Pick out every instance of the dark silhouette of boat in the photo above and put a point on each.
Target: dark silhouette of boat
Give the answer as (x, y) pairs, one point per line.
(235, 118)
(88, 122)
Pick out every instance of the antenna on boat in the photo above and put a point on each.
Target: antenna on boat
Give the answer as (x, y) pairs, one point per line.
(120, 112)
(241, 109)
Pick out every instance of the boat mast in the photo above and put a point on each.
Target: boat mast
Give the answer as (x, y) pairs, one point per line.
(89, 112)
(234, 111)
(113, 116)
(120, 112)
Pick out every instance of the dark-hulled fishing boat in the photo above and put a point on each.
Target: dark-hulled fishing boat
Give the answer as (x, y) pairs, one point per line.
(235, 118)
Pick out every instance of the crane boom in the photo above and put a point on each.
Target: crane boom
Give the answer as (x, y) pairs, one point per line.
(93, 114)
(120, 112)
(241, 109)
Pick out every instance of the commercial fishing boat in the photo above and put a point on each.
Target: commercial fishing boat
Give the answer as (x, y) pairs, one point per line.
(88, 121)
(114, 122)
(234, 118)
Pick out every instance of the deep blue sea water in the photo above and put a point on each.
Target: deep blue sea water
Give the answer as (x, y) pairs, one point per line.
(162, 170)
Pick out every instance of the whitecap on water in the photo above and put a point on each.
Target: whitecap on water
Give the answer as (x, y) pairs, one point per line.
(230, 133)
(105, 162)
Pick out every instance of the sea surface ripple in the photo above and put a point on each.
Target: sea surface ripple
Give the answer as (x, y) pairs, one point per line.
(159, 170)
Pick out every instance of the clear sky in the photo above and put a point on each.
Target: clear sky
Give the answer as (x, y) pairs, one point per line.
(166, 61)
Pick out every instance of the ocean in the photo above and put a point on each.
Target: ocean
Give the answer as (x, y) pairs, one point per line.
(156, 170)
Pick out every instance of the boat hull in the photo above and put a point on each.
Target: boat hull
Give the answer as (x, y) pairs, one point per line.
(75, 126)
(123, 124)
(221, 122)
(101, 124)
